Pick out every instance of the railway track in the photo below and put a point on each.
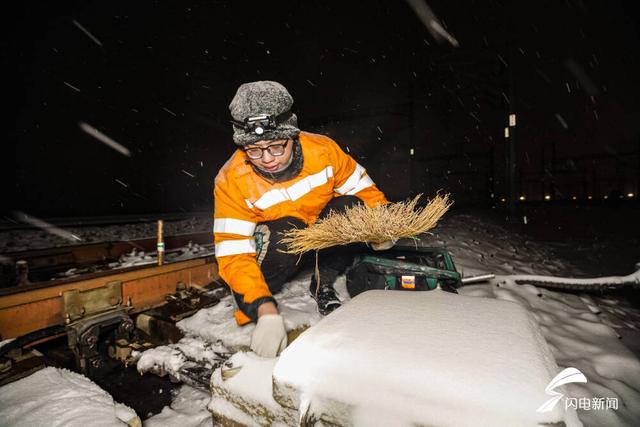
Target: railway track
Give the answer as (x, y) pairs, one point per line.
(83, 293)
(41, 266)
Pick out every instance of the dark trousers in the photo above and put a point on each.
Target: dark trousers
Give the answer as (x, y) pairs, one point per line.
(279, 267)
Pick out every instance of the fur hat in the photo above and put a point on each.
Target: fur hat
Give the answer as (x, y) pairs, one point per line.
(263, 98)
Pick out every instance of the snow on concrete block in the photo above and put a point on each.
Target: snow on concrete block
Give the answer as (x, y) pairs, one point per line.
(60, 397)
(242, 391)
(420, 358)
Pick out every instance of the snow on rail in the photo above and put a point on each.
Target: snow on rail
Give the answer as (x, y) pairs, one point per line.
(596, 284)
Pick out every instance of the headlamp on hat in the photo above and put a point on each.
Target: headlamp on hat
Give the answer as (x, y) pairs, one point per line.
(257, 124)
(261, 123)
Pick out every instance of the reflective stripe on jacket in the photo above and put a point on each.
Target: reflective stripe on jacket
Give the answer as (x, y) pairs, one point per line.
(243, 198)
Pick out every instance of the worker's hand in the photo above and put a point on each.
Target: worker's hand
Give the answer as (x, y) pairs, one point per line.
(269, 338)
(384, 245)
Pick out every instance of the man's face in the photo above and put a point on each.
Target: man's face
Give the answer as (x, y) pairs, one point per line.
(268, 162)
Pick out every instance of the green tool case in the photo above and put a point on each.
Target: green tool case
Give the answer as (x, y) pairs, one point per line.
(406, 267)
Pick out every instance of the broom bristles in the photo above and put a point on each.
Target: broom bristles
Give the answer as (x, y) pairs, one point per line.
(370, 225)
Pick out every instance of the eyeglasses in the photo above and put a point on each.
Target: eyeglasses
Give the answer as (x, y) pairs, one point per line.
(275, 150)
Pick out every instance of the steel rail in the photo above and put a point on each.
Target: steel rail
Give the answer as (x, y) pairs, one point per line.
(28, 308)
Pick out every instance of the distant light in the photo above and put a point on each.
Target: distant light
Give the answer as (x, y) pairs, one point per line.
(574, 198)
(522, 198)
(506, 132)
(411, 152)
(589, 197)
(547, 197)
(606, 197)
(503, 200)
(630, 195)
(512, 120)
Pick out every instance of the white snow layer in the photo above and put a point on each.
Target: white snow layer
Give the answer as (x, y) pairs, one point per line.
(480, 246)
(214, 329)
(426, 358)
(57, 397)
(217, 323)
(250, 377)
(188, 409)
(242, 392)
(575, 335)
(579, 338)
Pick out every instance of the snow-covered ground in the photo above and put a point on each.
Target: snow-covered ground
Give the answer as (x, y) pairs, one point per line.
(581, 330)
(188, 409)
(481, 246)
(57, 397)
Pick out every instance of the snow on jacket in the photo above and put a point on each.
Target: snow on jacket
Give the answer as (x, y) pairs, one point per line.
(243, 198)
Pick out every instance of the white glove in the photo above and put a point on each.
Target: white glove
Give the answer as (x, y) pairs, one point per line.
(384, 245)
(269, 337)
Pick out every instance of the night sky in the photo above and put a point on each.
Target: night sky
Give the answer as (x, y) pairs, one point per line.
(157, 77)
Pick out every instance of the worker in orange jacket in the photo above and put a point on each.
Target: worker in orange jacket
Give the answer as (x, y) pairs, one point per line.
(279, 178)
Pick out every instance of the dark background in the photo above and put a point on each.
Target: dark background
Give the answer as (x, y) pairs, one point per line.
(368, 74)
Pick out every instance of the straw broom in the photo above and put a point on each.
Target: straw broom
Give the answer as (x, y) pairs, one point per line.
(370, 225)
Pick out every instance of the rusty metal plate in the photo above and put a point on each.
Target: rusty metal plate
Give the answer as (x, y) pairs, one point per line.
(77, 304)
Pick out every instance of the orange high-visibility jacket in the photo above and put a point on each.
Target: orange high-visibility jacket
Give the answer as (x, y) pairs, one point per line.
(243, 198)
